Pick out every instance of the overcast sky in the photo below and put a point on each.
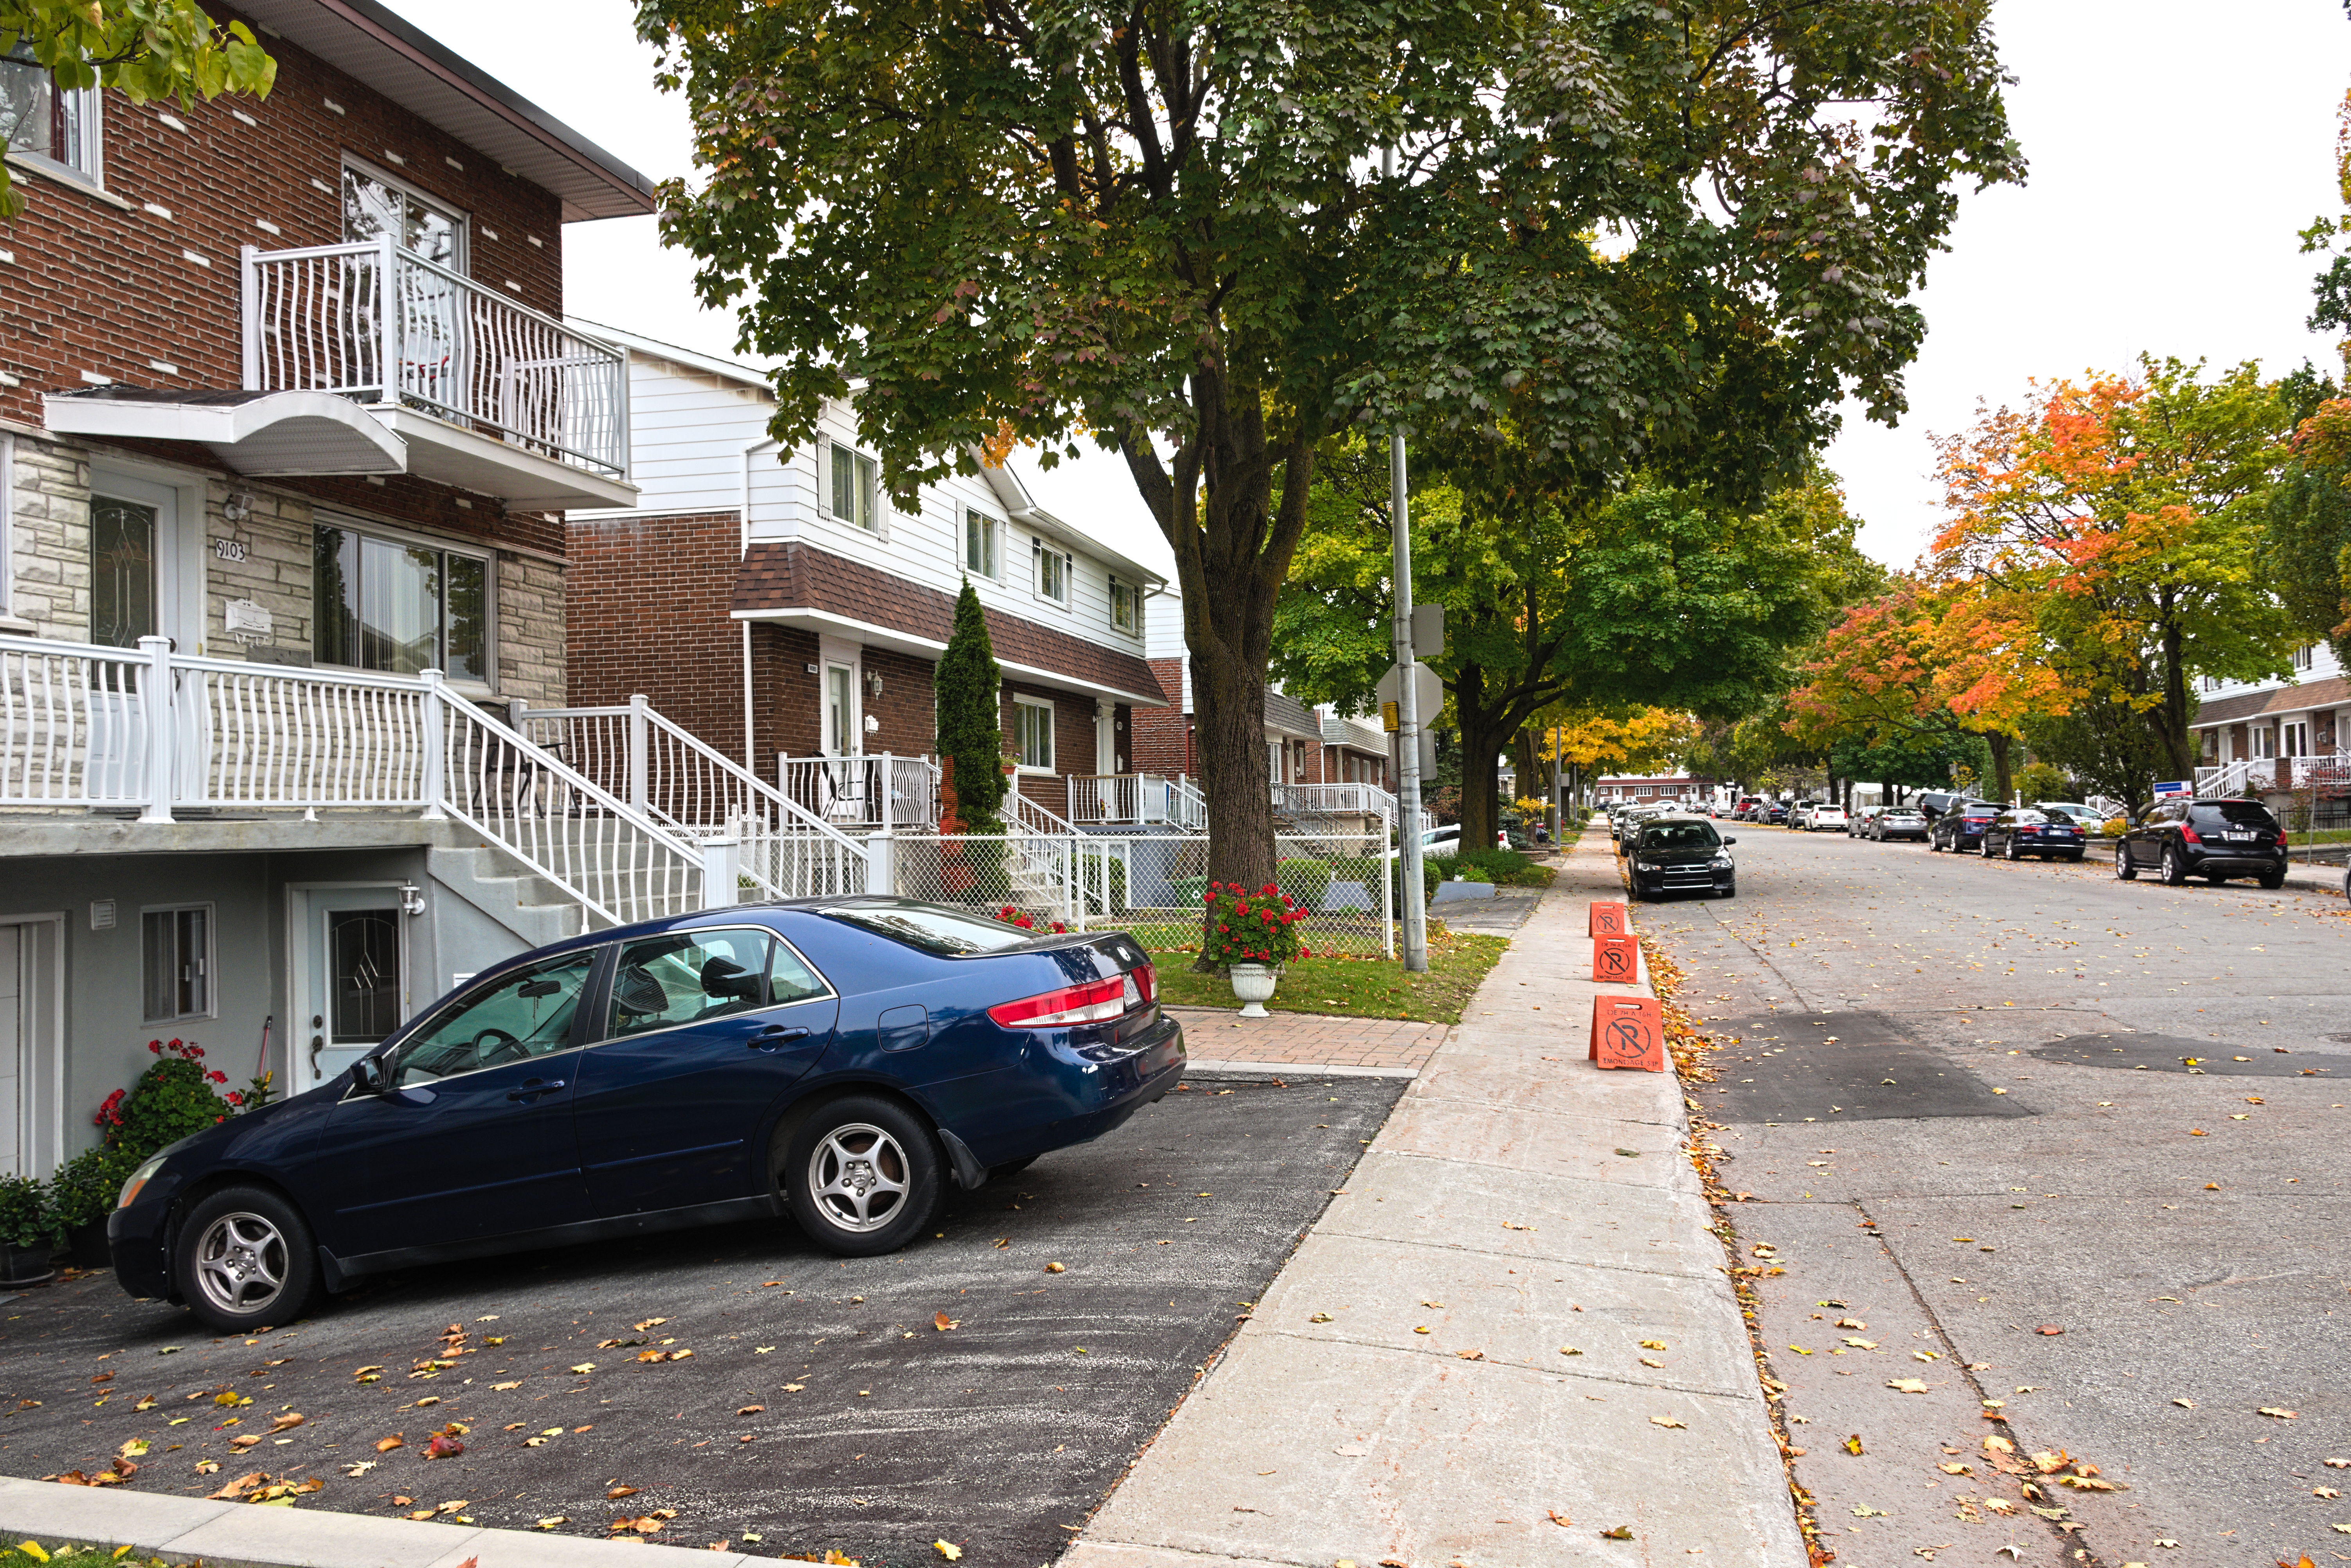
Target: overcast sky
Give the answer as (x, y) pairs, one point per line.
(2176, 151)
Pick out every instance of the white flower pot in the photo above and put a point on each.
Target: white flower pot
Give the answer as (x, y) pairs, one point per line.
(1253, 984)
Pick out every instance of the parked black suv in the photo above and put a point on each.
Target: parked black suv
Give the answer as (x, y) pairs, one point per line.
(2215, 839)
(2013, 834)
(1960, 829)
(1681, 854)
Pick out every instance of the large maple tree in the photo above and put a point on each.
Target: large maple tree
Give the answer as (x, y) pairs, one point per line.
(1165, 227)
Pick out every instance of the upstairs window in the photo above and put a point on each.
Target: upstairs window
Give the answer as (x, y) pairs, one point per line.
(52, 127)
(1053, 576)
(853, 479)
(980, 542)
(376, 204)
(399, 608)
(2304, 654)
(1126, 607)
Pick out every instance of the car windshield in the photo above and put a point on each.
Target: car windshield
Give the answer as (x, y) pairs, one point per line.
(2026, 818)
(934, 928)
(1679, 836)
(524, 1013)
(1900, 814)
(2233, 814)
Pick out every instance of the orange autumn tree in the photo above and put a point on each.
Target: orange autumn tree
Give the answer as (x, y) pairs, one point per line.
(2102, 545)
(1914, 662)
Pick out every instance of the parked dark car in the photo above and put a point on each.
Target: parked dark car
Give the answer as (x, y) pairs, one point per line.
(839, 1060)
(1681, 854)
(2021, 831)
(1960, 829)
(1775, 813)
(2215, 839)
(1897, 822)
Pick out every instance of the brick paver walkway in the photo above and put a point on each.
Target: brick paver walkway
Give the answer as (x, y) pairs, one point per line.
(1313, 1039)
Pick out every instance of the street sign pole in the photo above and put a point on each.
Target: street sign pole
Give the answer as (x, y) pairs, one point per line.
(1415, 901)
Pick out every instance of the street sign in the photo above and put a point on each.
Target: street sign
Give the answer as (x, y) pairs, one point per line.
(1429, 693)
(1429, 630)
(2173, 789)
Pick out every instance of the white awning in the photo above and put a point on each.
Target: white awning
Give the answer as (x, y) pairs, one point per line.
(260, 433)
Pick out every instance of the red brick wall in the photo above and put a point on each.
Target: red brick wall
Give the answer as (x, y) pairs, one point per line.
(906, 710)
(790, 696)
(94, 288)
(647, 613)
(1163, 736)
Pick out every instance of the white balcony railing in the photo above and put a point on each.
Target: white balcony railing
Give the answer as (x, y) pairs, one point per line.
(1139, 798)
(631, 831)
(379, 323)
(2263, 775)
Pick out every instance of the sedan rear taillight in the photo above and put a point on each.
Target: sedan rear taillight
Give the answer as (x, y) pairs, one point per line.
(1146, 981)
(1096, 1002)
(2189, 834)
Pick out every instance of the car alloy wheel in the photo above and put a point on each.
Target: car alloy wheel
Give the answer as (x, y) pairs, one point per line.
(2123, 869)
(863, 1173)
(241, 1263)
(244, 1258)
(2011, 851)
(859, 1178)
(2174, 873)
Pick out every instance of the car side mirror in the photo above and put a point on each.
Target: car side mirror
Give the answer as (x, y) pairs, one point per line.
(1727, 842)
(367, 1075)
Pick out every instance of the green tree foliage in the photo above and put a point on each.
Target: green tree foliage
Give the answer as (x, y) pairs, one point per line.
(2106, 748)
(1654, 596)
(144, 49)
(970, 698)
(1902, 759)
(1681, 226)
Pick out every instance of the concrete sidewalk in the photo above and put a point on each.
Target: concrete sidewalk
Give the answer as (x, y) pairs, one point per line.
(1405, 1393)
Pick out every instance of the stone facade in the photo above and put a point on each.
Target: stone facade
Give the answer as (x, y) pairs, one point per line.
(264, 557)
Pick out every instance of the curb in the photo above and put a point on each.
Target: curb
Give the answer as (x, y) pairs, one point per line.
(1206, 1068)
(242, 1535)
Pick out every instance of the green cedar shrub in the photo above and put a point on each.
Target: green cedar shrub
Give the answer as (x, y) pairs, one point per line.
(970, 695)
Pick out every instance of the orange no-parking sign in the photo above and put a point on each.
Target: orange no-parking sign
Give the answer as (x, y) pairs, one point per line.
(1616, 961)
(1628, 1031)
(1607, 919)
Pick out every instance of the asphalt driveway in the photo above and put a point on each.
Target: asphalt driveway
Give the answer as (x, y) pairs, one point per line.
(797, 1404)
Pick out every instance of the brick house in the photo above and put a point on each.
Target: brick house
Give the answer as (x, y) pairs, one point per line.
(779, 604)
(289, 420)
(2264, 738)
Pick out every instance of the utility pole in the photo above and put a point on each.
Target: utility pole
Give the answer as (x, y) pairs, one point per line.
(1414, 902)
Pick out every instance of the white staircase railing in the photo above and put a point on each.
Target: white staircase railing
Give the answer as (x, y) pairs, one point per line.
(84, 727)
(1152, 798)
(669, 774)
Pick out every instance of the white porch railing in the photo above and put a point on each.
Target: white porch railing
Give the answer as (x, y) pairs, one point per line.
(881, 791)
(2263, 775)
(1098, 799)
(376, 321)
(91, 728)
(667, 773)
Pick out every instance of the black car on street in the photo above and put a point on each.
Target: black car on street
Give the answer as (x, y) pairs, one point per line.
(1681, 854)
(2215, 839)
(1960, 829)
(2021, 831)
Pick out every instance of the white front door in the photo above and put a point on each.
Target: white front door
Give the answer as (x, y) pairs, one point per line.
(351, 963)
(31, 1053)
(135, 567)
(1105, 739)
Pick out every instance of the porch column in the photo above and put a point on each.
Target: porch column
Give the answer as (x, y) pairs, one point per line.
(155, 690)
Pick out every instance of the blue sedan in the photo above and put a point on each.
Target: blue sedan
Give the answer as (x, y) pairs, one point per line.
(839, 1060)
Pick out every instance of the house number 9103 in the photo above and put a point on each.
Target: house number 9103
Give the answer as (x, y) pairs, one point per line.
(228, 549)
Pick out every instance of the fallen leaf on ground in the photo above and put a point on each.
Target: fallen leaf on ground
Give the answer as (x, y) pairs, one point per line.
(1663, 1421)
(550, 1522)
(1852, 1445)
(1055, 1269)
(1953, 1468)
(1860, 1343)
(585, 1367)
(1907, 1384)
(752, 1410)
(1622, 1533)
(951, 1552)
(286, 1420)
(1559, 1519)
(943, 1323)
(2275, 1413)
(619, 1493)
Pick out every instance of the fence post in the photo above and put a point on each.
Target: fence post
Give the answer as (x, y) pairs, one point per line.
(638, 707)
(722, 862)
(155, 689)
(881, 865)
(436, 755)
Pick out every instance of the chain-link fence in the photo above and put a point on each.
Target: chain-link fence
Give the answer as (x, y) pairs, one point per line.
(1152, 884)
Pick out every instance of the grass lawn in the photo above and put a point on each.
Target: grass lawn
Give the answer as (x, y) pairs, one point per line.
(64, 1556)
(1351, 987)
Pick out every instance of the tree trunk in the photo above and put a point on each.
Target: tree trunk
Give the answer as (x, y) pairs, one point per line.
(1998, 740)
(1484, 734)
(2178, 739)
(1213, 499)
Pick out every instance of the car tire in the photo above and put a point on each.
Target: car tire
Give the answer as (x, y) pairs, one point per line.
(2075, 858)
(2009, 852)
(2123, 869)
(2175, 871)
(243, 1259)
(847, 1151)
(2272, 880)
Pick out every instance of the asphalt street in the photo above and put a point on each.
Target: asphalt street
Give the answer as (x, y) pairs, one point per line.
(2061, 1156)
(798, 1403)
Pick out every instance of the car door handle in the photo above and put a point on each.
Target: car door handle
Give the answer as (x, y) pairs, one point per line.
(774, 1035)
(532, 1089)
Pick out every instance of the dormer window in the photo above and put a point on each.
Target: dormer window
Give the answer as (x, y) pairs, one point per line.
(375, 205)
(49, 126)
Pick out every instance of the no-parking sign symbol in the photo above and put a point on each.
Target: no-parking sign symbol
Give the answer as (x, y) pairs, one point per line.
(1628, 1032)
